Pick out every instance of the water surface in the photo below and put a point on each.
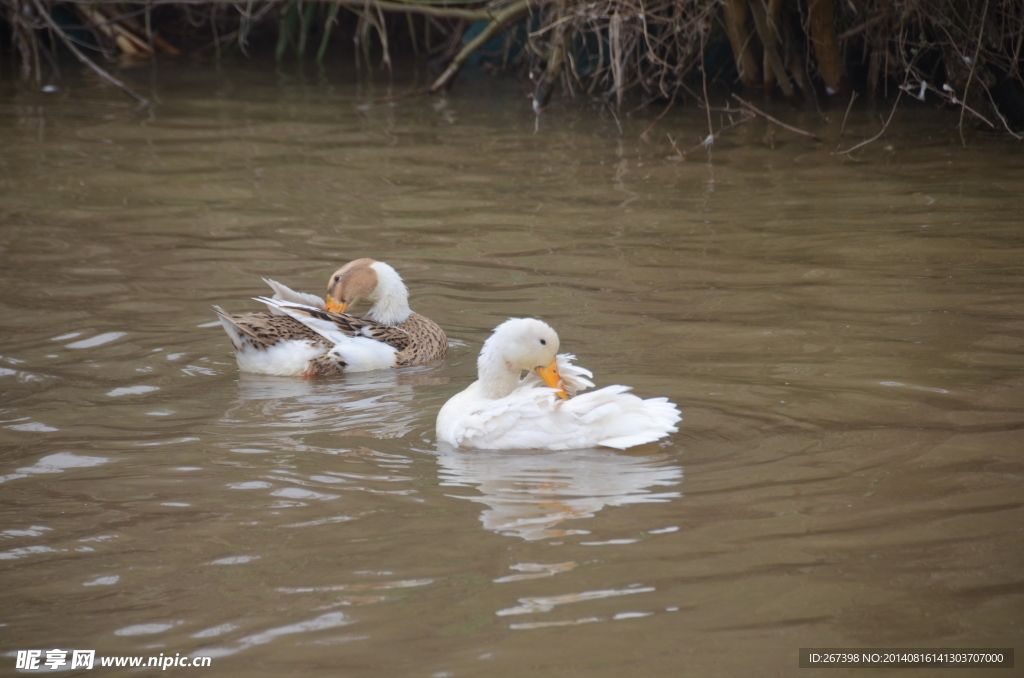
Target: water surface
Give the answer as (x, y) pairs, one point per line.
(844, 339)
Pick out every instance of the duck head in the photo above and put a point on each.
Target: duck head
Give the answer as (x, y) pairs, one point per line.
(520, 344)
(371, 281)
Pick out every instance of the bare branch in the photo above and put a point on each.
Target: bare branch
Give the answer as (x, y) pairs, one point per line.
(84, 59)
(778, 122)
(885, 125)
(853, 97)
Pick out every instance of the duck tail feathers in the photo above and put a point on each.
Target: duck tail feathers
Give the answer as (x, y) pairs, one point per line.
(229, 322)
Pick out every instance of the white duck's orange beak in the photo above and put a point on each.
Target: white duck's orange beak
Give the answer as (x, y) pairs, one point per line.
(552, 378)
(334, 306)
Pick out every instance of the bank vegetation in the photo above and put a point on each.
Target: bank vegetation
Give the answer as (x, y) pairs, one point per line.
(964, 54)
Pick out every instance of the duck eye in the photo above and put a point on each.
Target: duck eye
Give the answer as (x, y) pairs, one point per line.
(543, 342)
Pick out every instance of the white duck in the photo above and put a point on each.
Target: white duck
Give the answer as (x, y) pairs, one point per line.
(500, 411)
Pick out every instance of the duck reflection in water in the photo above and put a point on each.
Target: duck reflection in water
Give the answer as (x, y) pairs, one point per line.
(380, 404)
(529, 494)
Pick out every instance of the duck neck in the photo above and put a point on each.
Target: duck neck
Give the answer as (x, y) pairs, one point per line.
(497, 377)
(392, 304)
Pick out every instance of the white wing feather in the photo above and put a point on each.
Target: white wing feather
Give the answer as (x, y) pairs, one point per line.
(574, 377)
(285, 293)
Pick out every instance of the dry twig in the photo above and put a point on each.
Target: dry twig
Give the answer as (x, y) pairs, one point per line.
(66, 39)
(778, 122)
(853, 97)
(885, 125)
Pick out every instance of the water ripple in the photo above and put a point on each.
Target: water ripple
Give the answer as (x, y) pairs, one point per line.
(325, 621)
(538, 604)
(55, 463)
(98, 340)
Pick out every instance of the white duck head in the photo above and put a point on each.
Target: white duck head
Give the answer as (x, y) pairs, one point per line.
(371, 281)
(516, 345)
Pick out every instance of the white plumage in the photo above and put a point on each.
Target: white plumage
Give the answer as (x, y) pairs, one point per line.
(502, 411)
(284, 359)
(285, 293)
(358, 354)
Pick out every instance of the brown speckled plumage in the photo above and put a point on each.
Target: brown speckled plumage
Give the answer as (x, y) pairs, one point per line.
(291, 343)
(418, 340)
(428, 341)
(263, 330)
(260, 331)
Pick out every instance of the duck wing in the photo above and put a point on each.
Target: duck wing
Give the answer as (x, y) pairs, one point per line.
(262, 330)
(613, 417)
(535, 418)
(521, 420)
(339, 327)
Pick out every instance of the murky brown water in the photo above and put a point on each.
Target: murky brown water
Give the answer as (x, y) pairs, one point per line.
(844, 339)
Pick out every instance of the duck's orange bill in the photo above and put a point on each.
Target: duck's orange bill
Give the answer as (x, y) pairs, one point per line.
(553, 379)
(334, 306)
